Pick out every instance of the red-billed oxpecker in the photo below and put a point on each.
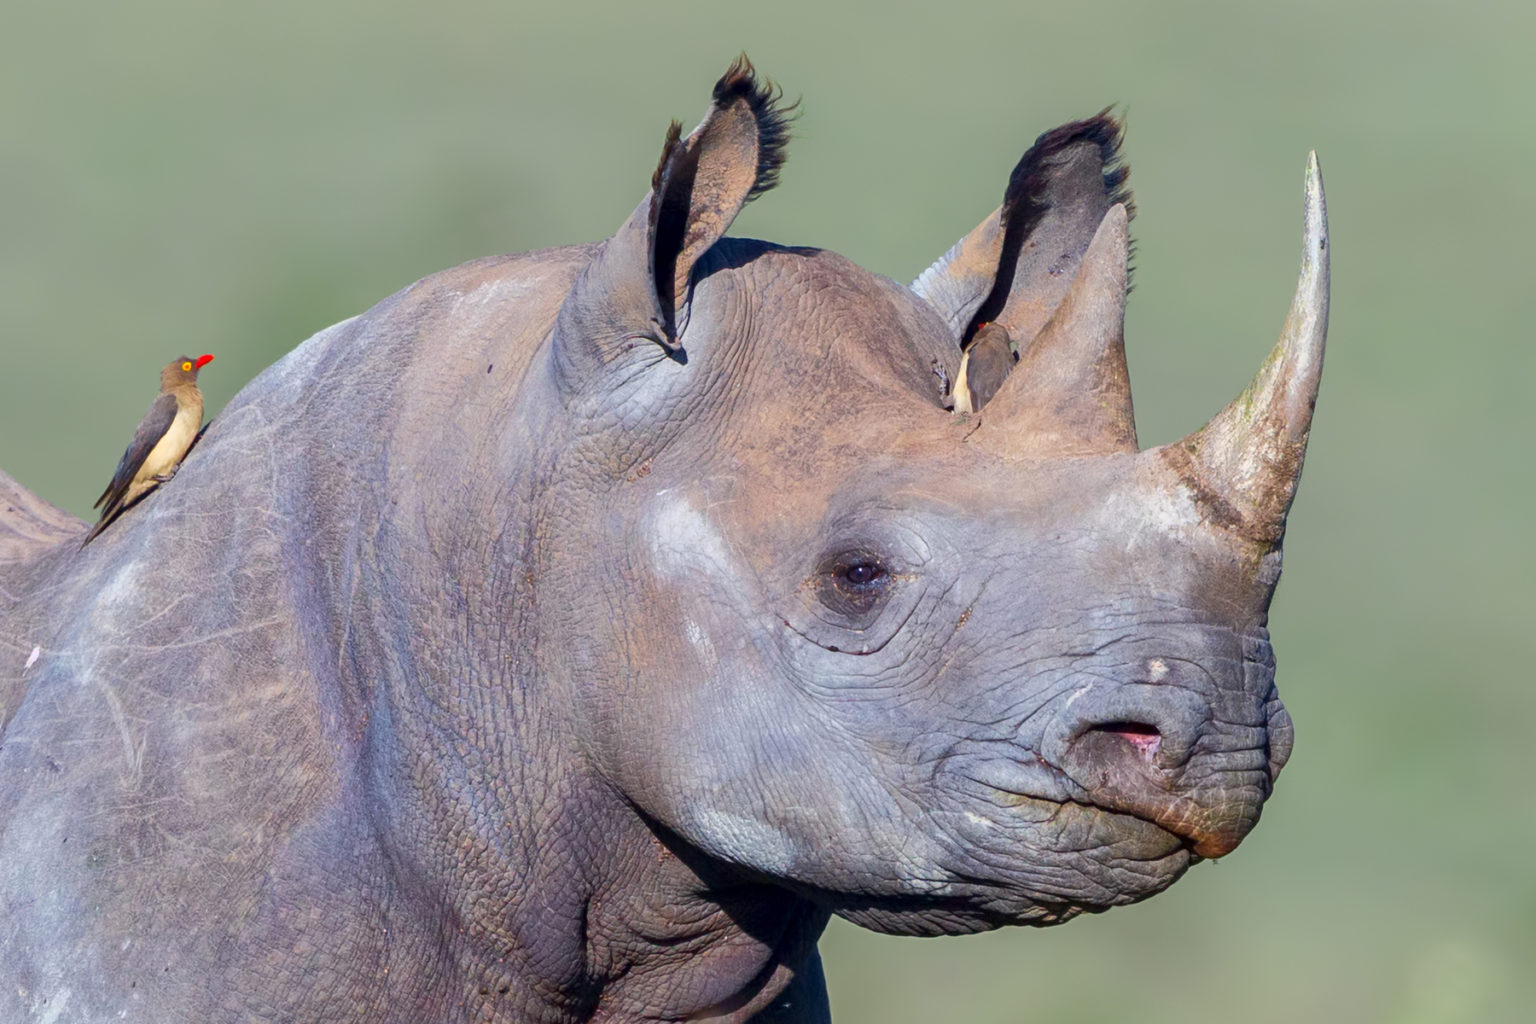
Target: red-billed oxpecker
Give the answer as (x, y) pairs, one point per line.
(983, 365)
(161, 442)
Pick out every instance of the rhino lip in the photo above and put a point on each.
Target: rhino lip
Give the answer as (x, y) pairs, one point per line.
(1039, 779)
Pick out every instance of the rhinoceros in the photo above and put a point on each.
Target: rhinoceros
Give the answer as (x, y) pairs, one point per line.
(569, 636)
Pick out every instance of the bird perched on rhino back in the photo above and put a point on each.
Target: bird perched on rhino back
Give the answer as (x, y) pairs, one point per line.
(161, 442)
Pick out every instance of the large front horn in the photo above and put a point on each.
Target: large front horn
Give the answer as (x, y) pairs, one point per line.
(1243, 465)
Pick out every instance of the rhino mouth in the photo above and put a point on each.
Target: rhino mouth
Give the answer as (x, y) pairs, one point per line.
(1025, 846)
(1042, 862)
(1181, 840)
(1026, 784)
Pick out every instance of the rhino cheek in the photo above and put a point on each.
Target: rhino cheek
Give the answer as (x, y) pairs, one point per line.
(767, 783)
(739, 762)
(697, 760)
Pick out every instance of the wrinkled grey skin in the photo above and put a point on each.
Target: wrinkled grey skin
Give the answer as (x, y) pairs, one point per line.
(485, 663)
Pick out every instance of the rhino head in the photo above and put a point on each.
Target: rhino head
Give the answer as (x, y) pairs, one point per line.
(937, 672)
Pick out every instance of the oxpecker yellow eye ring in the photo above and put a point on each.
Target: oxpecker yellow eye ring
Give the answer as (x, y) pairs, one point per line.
(186, 366)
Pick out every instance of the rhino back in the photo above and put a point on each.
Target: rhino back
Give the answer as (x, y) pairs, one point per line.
(190, 727)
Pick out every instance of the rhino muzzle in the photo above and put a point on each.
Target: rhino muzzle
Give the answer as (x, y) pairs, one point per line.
(1169, 763)
(1153, 753)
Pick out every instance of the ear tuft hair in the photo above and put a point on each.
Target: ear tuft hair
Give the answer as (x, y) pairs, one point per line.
(1027, 200)
(766, 101)
(1024, 200)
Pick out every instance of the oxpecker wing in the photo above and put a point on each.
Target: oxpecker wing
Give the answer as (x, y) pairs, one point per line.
(986, 362)
(160, 443)
(152, 428)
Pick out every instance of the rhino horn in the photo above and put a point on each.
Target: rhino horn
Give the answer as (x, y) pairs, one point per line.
(1070, 394)
(1244, 464)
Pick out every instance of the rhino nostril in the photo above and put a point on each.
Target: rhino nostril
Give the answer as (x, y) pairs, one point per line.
(1146, 739)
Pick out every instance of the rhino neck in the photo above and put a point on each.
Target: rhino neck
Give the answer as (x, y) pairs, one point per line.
(559, 900)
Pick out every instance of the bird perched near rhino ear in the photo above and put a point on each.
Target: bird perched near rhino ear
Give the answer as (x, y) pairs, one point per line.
(158, 446)
(983, 367)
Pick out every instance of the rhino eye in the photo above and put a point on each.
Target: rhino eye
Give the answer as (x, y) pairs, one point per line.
(857, 597)
(862, 574)
(854, 584)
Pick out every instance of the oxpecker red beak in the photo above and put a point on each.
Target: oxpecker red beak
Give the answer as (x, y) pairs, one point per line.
(202, 361)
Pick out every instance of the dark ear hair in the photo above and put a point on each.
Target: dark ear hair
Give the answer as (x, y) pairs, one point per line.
(703, 181)
(637, 286)
(1016, 266)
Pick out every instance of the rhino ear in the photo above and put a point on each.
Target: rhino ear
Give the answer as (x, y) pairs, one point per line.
(1015, 268)
(637, 287)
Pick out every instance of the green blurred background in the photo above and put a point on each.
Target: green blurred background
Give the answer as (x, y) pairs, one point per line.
(189, 177)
